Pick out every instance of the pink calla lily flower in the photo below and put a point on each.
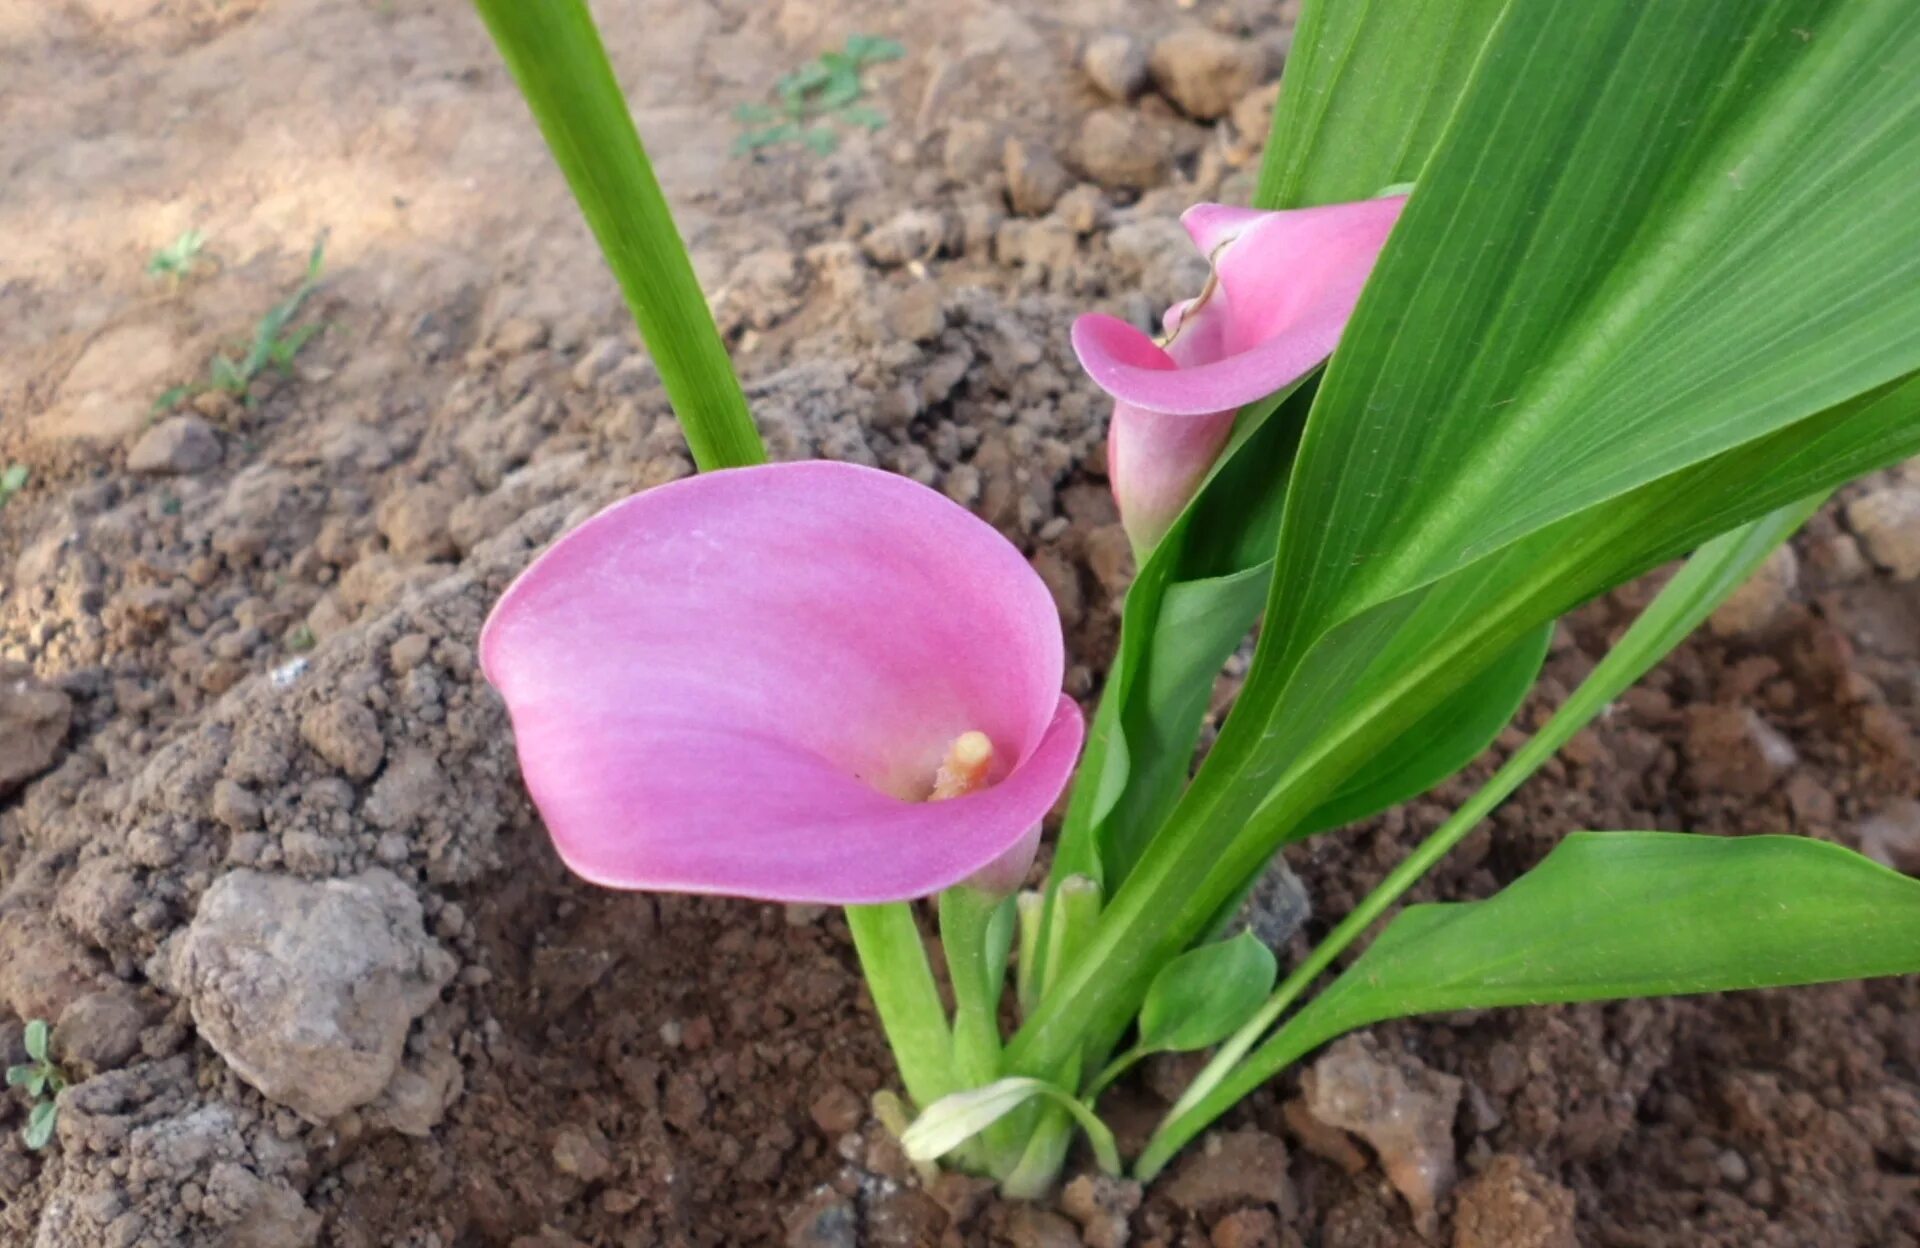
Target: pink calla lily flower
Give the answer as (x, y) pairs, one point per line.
(806, 682)
(1282, 289)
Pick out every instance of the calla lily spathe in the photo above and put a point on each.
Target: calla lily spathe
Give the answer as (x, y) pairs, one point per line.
(1283, 287)
(751, 682)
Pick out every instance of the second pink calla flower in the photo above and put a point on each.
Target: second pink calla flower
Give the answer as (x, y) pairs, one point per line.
(1283, 287)
(808, 682)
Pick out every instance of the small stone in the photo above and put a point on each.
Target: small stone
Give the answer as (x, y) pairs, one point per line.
(1401, 1107)
(1253, 112)
(576, 1153)
(420, 1094)
(1887, 521)
(101, 1030)
(1325, 1142)
(917, 313)
(1122, 150)
(308, 987)
(1892, 837)
(1116, 64)
(1512, 1205)
(827, 1220)
(347, 735)
(409, 652)
(1235, 1168)
(1754, 606)
(235, 805)
(1083, 209)
(414, 522)
(1035, 1228)
(1102, 1207)
(1277, 906)
(34, 718)
(905, 1218)
(971, 151)
(838, 1110)
(1204, 71)
(1246, 1228)
(1035, 180)
(1110, 556)
(519, 334)
(177, 446)
(911, 235)
(1730, 749)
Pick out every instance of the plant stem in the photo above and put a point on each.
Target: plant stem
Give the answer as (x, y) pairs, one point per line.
(965, 914)
(895, 965)
(1714, 572)
(555, 54)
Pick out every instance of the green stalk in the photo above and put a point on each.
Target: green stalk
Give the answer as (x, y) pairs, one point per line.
(894, 963)
(555, 54)
(1713, 573)
(965, 916)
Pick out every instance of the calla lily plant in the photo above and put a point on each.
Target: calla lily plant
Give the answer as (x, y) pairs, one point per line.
(1615, 320)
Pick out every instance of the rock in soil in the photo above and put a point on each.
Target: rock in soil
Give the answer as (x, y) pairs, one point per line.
(1892, 836)
(1035, 180)
(1754, 606)
(33, 725)
(1204, 71)
(1234, 1168)
(1122, 150)
(177, 446)
(308, 987)
(1102, 1207)
(1116, 64)
(1731, 749)
(1401, 1107)
(1888, 523)
(1512, 1205)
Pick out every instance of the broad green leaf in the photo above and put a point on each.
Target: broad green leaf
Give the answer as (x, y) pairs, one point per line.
(1442, 742)
(40, 1125)
(17, 1076)
(953, 1120)
(1369, 84)
(37, 1037)
(1201, 997)
(1636, 914)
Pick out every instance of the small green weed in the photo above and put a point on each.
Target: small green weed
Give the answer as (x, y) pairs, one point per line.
(12, 481)
(43, 1080)
(274, 344)
(816, 100)
(178, 258)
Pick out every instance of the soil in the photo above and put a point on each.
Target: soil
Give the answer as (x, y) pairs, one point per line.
(260, 823)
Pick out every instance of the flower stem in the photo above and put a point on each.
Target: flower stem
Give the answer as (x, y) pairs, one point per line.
(895, 965)
(555, 54)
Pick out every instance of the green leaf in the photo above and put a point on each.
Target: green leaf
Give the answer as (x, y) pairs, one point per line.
(37, 1037)
(40, 1125)
(1369, 84)
(13, 480)
(753, 114)
(953, 1120)
(561, 66)
(1201, 997)
(863, 115)
(821, 139)
(17, 1076)
(870, 49)
(1635, 914)
(1442, 742)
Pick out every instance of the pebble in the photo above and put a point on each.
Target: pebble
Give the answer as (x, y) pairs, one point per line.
(1035, 1228)
(1730, 749)
(346, 734)
(1234, 1168)
(1122, 150)
(1035, 179)
(177, 446)
(1116, 64)
(1401, 1107)
(1892, 836)
(1102, 1207)
(1887, 521)
(576, 1153)
(911, 235)
(34, 718)
(1754, 606)
(1204, 71)
(1512, 1205)
(916, 313)
(838, 1110)
(825, 1221)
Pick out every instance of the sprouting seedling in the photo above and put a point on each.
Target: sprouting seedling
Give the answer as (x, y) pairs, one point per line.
(12, 481)
(177, 258)
(43, 1079)
(811, 99)
(273, 344)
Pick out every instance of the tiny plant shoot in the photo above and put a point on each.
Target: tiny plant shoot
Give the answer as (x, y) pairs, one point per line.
(13, 479)
(1533, 299)
(814, 103)
(179, 258)
(43, 1080)
(275, 343)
